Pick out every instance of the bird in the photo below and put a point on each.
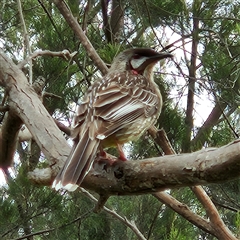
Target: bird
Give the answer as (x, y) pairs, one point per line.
(116, 109)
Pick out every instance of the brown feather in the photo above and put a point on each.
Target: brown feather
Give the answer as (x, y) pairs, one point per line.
(79, 161)
(116, 109)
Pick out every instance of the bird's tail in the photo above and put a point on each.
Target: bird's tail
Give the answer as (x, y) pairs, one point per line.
(78, 163)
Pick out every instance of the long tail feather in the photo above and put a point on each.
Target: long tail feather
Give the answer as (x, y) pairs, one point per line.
(78, 163)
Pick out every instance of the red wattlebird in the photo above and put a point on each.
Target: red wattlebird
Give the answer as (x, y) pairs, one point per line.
(117, 108)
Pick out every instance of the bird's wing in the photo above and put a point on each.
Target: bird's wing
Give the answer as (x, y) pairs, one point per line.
(124, 101)
(113, 104)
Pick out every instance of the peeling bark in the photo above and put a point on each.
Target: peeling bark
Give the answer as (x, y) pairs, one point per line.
(156, 174)
(132, 177)
(25, 103)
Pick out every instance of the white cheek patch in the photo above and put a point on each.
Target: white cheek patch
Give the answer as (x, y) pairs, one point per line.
(136, 63)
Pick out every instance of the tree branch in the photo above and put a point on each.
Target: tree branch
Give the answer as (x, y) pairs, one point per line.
(156, 174)
(221, 230)
(184, 211)
(25, 103)
(211, 121)
(124, 220)
(72, 22)
(191, 86)
(63, 54)
(216, 226)
(26, 39)
(9, 138)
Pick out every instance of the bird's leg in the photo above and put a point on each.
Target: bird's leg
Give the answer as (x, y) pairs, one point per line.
(102, 153)
(121, 153)
(103, 157)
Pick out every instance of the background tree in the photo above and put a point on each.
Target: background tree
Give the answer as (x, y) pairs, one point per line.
(49, 45)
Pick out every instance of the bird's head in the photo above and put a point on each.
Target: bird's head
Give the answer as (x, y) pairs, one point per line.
(139, 60)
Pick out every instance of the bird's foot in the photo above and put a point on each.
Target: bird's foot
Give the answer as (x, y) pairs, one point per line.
(122, 156)
(104, 157)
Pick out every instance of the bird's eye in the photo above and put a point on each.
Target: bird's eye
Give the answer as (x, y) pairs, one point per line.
(136, 56)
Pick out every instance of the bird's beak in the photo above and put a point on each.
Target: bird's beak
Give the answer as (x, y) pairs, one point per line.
(161, 55)
(153, 59)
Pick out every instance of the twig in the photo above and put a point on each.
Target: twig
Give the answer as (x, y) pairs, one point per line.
(226, 206)
(60, 36)
(26, 39)
(64, 54)
(128, 223)
(183, 210)
(153, 222)
(72, 22)
(52, 229)
(101, 201)
(63, 128)
(150, 23)
(160, 137)
(35, 234)
(51, 95)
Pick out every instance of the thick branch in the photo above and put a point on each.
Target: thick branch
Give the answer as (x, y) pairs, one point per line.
(156, 174)
(8, 138)
(184, 211)
(25, 103)
(215, 226)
